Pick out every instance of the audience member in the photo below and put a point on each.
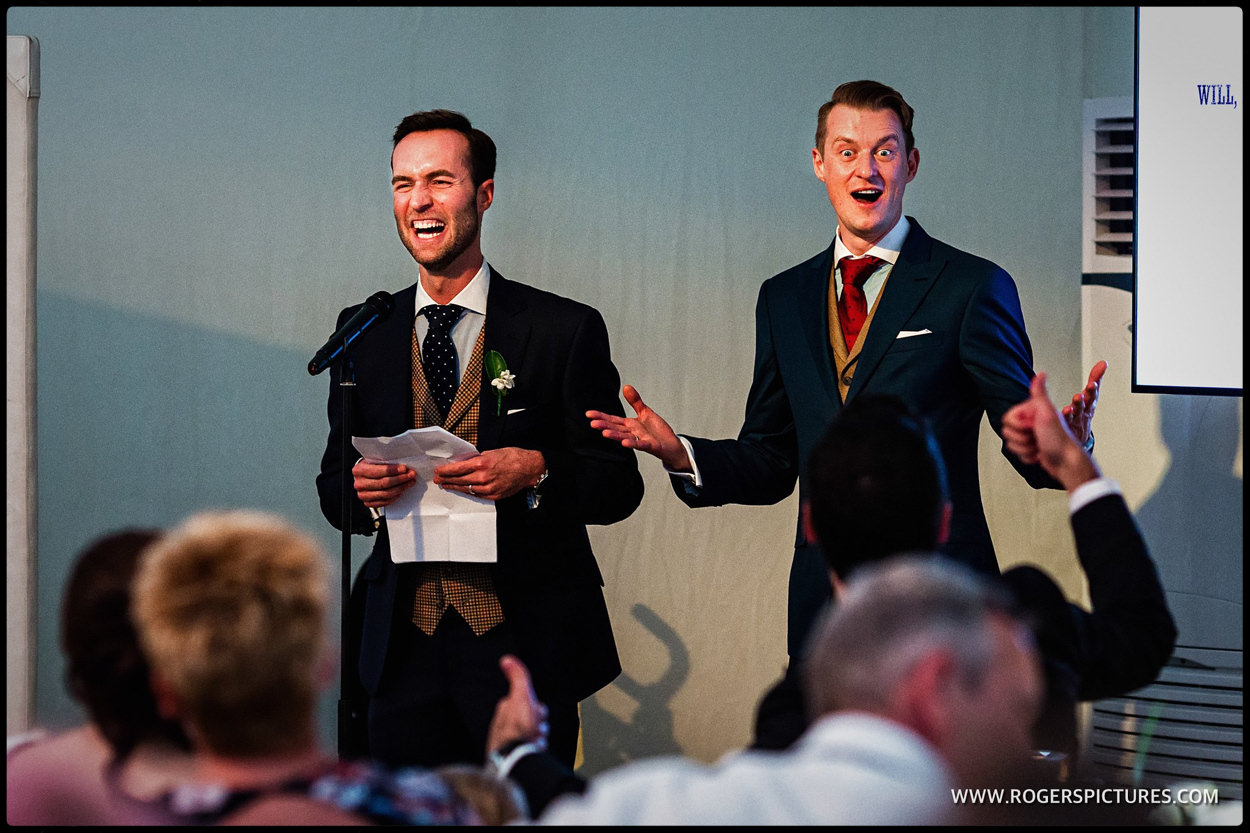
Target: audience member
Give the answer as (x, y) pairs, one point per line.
(495, 800)
(64, 778)
(876, 481)
(231, 609)
(920, 681)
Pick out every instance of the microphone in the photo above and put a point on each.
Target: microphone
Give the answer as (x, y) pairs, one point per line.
(375, 309)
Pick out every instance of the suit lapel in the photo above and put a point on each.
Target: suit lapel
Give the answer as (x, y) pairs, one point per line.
(910, 281)
(811, 305)
(507, 331)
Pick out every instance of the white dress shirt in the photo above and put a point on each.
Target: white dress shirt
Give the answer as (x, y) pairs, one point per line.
(850, 768)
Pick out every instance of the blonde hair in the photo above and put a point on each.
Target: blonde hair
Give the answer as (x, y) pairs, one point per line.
(230, 608)
(497, 801)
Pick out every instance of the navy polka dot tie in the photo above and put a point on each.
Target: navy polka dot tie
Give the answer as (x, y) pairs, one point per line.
(438, 354)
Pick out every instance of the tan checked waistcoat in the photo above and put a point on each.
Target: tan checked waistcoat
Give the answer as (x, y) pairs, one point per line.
(469, 588)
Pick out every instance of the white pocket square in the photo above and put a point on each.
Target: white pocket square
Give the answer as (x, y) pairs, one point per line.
(515, 410)
(910, 333)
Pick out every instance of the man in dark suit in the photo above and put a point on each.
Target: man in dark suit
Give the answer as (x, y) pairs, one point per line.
(884, 309)
(431, 634)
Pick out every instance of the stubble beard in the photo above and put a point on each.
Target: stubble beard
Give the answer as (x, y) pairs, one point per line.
(461, 238)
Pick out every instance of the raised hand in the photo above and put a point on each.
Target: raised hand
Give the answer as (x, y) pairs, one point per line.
(1080, 414)
(1034, 432)
(519, 714)
(645, 431)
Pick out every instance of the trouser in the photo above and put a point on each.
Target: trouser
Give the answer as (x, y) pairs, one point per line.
(438, 694)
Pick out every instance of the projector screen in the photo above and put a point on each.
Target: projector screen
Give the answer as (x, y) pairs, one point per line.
(1187, 263)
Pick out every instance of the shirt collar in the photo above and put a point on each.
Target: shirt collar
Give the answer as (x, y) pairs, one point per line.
(472, 297)
(887, 248)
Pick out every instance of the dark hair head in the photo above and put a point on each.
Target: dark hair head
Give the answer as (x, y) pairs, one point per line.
(481, 147)
(105, 667)
(876, 484)
(867, 95)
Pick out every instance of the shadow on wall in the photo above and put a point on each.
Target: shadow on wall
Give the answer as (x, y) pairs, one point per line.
(649, 731)
(1193, 521)
(143, 419)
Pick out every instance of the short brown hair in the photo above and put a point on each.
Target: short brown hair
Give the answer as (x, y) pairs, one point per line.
(230, 607)
(482, 153)
(867, 95)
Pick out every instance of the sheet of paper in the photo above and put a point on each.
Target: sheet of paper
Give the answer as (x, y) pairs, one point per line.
(427, 523)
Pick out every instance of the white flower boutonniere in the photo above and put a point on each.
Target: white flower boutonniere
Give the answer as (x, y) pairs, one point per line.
(503, 380)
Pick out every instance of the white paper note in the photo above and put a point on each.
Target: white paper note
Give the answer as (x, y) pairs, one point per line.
(426, 523)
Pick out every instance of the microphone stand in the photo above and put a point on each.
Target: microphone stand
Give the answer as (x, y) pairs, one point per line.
(351, 742)
(347, 720)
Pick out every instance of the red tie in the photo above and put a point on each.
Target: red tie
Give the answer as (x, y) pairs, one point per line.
(852, 307)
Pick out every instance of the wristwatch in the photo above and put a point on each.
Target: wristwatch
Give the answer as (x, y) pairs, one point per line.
(531, 494)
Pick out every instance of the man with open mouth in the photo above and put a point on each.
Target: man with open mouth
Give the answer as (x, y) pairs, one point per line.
(510, 369)
(884, 308)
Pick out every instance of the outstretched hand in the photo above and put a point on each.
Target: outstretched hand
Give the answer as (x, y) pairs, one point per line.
(646, 431)
(519, 715)
(1034, 432)
(1080, 413)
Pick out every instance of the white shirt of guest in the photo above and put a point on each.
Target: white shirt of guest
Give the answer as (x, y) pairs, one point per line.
(850, 768)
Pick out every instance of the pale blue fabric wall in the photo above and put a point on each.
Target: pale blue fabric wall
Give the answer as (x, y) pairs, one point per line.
(213, 188)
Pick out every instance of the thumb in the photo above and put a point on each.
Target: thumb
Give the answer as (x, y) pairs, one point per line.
(1037, 388)
(633, 398)
(516, 672)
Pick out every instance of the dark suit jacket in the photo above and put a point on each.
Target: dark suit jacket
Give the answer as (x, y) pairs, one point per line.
(1117, 646)
(975, 359)
(549, 584)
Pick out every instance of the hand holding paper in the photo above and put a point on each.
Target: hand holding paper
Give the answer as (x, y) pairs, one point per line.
(380, 484)
(494, 474)
(424, 522)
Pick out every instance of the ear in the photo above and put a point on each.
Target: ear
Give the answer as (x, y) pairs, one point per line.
(167, 703)
(809, 532)
(818, 164)
(944, 523)
(913, 163)
(924, 698)
(836, 583)
(485, 195)
(326, 666)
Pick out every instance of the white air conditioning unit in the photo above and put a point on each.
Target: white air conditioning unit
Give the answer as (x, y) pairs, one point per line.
(1186, 726)
(1108, 185)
